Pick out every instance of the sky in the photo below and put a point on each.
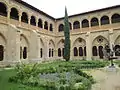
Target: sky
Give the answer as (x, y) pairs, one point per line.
(56, 8)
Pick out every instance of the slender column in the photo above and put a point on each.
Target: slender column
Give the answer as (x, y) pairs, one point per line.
(99, 22)
(72, 25)
(110, 20)
(43, 24)
(89, 23)
(48, 27)
(29, 18)
(20, 15)
(36, 22)
(8, 15)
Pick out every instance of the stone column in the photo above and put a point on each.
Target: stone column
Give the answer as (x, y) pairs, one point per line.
(88, 46)
(110, 19)
(36, 22)
(72, 25)
(99, 22)
(43, 24)
(48, 27)
(29, 18)
(20, 15)
(8, 15)
(89, 23)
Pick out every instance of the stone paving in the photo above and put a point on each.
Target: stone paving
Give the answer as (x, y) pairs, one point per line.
(106, 79)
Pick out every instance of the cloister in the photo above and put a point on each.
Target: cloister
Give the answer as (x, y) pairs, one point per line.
(28, 34)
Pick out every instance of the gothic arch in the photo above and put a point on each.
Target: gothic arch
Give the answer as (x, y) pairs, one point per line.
(24, 47)
(99, 40)
(41, 48)
(79, 41)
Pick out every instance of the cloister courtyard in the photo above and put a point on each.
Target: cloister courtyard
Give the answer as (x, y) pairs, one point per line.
(98, 72)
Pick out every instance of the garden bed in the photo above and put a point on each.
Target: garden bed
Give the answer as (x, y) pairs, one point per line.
(57, 75)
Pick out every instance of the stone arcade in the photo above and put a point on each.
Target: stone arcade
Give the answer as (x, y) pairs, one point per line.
(28, 34)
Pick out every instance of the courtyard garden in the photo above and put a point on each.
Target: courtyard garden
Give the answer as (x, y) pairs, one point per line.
(56, 75)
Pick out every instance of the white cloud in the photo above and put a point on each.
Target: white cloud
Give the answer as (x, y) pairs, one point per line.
(56, 8)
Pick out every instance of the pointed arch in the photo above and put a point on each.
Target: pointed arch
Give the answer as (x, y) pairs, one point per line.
(41, 48)
(99, 40)
(24, 47)
(79, 42)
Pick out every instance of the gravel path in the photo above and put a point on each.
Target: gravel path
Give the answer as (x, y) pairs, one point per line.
(106, 79)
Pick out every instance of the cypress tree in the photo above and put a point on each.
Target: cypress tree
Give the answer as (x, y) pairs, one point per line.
(67, 37)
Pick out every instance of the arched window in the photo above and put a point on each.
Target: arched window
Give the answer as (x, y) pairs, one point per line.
(104, 20)
(117, 49)
(51, 27)
(14, 14)
(33, 21)
(24, 17)
(100, 48)
(85, 51)
(115, 18)
(50, 52)
(3, 9)
(1, 53)
(59, 52)
(70, 26)
(76, 25)
(94, 51)
(85, 23)
(61, 28)
(20, 52)
(62, 51)
(75, 51)
(80, 51)
(41, 52)
(25, 53)
(40, 23)
(46, 25)
(94, 22)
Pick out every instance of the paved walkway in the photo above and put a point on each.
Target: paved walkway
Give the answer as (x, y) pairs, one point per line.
(106, 79)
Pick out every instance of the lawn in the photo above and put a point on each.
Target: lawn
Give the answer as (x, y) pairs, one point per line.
(5, 85)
